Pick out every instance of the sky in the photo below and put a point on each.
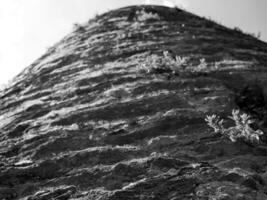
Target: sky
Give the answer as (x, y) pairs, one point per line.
(30, 27)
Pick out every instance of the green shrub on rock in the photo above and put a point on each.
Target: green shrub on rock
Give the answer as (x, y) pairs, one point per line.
(241, 130)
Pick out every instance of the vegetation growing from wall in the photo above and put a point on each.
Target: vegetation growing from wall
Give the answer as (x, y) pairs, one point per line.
(241, 130)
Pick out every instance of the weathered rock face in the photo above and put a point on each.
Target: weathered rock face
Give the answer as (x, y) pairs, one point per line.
(97, 118)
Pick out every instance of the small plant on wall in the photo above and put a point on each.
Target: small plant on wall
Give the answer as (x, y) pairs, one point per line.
(242, 129)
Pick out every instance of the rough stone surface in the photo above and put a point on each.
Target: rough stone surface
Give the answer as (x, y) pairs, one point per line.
(86, 122)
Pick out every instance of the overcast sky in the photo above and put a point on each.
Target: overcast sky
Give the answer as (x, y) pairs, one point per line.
(29, 27)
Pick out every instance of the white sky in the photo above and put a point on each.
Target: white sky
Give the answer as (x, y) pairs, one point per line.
(29, 27)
